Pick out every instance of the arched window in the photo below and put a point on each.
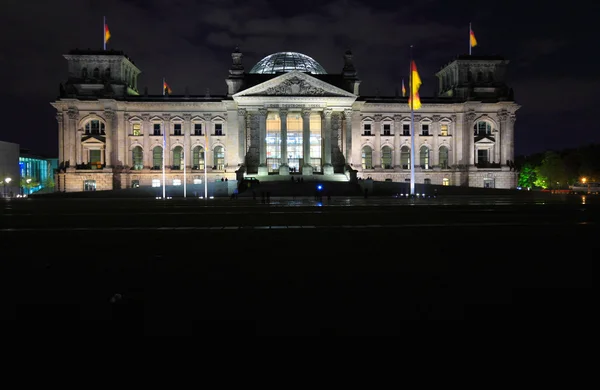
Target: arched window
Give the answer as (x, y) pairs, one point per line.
(405, 157)
(178, 157)
(157, 157)
(424, 157)
(479, 77)
(198, 158)
(482, 128)
(219, 158)
(84, 74)
(443, 154)
(367, 157)
(386, 157)
(490, 76)
(137, 157)
(107, 73)
(94, 127)
(96, 73)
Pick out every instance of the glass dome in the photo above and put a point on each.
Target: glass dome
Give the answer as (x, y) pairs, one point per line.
(287, 61)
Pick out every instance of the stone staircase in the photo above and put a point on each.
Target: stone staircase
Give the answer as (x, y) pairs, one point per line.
(332, 185)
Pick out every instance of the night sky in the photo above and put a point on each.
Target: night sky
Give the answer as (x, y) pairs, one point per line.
(189, 43)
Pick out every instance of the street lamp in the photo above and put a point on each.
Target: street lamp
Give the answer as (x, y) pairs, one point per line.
(6, 181)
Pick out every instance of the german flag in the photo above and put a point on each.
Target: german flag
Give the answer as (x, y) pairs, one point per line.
(414, 101)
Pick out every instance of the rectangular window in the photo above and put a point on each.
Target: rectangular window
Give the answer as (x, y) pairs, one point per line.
(89, 185)
(157, 129)
(367, 129)
(197, 181)
(176, 182)
(425, 130)
(405, 129)
(445, 181)
(197, 128)
(482, 156)
(155, 182)
(177, 129)
(137, 129)
(444, 130)
(218, 129)
(387, 129)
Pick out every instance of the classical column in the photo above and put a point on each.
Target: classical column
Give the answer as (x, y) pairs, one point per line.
(306, 168)
(61, 138)
(326, 135)
(108, 149)
(469, 118)
(435, 148)
(242, 135)
(73, 118)
(78, 144)
(208, 160)
(397, 133)
(262, 142)
(146, 134)
(510, 138)
(377, 143)
(348, 123)
(187, 147)
(283, 112)
(125, 131)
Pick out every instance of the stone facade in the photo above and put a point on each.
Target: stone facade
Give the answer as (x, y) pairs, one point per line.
(111, 135)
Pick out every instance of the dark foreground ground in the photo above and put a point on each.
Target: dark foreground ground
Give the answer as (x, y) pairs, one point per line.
(349, 266)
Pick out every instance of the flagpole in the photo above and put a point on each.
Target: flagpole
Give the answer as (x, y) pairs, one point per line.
(104, 33)
(412, 127)
(164, 152)
(470, 46)
(205, 163)
(184, 164)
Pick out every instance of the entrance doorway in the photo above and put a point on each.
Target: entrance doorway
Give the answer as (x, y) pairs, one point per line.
(294, 164)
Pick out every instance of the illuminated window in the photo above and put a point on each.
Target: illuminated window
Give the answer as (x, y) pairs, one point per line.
(443, 130)
(405, 157)
(294, 141)
(424, 157)
(155, 182)
(178, 157)
(94, 127)
(157, 156)
(273, 141)
(176, 182)
(89, 185)
(443, 157)
(197, 181)
(482, 128)
(137, 157)
(315, 141)
(367, 157)
(198, 158)
(445, 181)
(219, 158)
(386, 157)
(137, 129)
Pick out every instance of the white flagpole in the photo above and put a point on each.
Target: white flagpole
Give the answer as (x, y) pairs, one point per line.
(205, 162)
(470, 46)
(104, 33)
(412, 128)
(164, 151)
(184, 164)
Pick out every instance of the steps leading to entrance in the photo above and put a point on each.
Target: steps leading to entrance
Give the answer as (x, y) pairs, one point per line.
(305, 188)
(336, 177)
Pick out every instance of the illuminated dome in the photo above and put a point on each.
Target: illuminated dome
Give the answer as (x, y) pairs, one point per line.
(287, 61)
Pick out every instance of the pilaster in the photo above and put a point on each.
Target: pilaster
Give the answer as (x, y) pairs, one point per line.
(326, 132)
(146, 134)
(187, 128)
(348, 125)
(377, 142)
(167, 148)
(108, 151)
(306, 167)
(262, 135)
(435, 147)
(61, 138)
(397, 133)
(284, 156)
(208, 152)
(73, 119)
(470, 138)
(242, 135)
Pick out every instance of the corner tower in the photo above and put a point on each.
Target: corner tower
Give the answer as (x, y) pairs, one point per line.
(100, 73)
(475, 78)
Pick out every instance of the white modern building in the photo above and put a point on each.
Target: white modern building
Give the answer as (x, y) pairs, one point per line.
(286, 115)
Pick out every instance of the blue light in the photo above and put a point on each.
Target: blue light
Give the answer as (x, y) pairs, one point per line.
(319, 187)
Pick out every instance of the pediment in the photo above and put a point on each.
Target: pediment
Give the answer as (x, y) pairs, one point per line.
(92, 141)
(485, 140)
(295, 83)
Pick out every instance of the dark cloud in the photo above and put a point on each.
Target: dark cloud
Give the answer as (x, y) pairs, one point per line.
(189, 42)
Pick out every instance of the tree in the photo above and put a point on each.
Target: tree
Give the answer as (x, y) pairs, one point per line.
(49, 182)
(527, 176)
(551, 173)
